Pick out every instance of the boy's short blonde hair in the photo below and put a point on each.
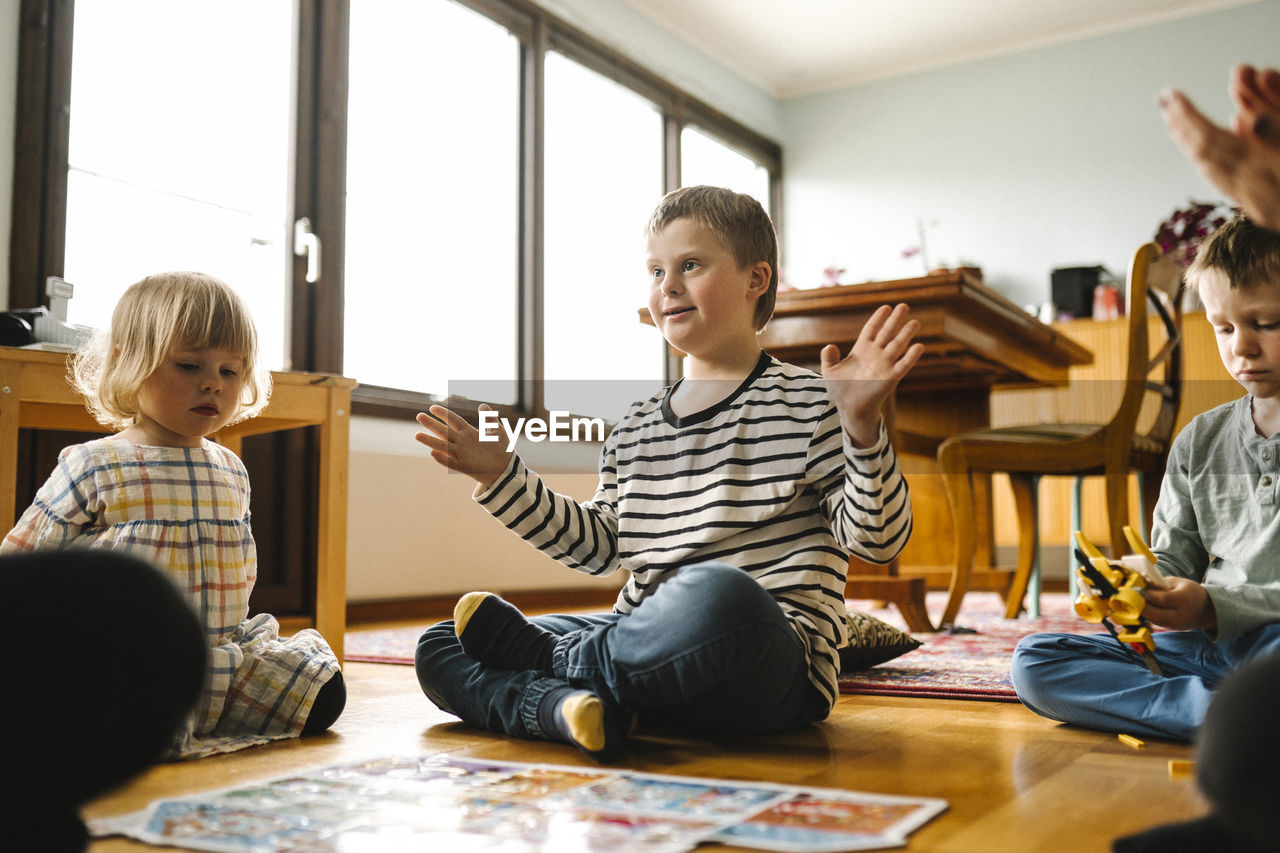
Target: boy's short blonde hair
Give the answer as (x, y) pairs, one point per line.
(1247, 254)
(738, 220)
(155, 315)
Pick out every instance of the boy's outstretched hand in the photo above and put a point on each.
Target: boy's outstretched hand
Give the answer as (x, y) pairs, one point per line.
(860, 382)
(456, 445)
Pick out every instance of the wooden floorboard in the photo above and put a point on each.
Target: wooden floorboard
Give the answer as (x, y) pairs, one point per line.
(1015, 782)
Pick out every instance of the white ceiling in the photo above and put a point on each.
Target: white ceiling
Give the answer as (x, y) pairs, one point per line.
(796, 47)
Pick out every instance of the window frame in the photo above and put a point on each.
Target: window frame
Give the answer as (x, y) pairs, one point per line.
(315, 316)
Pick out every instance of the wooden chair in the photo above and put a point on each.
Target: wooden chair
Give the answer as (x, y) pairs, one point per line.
(1113, 449)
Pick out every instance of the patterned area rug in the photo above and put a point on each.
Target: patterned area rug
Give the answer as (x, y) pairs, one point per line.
(946, 666)
(973, 662)
(385, 645)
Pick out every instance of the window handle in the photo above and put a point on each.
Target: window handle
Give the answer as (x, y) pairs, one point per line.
(305, 242)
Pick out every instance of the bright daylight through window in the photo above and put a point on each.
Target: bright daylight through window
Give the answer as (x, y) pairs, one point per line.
(432, 199)
(181, 158)
(603, 177)
(178, 158)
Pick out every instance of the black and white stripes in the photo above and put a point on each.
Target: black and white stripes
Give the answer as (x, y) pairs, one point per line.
(765, 481)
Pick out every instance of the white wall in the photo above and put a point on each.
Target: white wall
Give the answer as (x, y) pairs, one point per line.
(1052, 157)
(414, 529)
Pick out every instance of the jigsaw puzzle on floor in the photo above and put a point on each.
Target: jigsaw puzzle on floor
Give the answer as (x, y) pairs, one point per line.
(458, 804)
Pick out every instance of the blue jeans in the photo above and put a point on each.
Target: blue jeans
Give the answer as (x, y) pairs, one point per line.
(1093, 682)
(708, 651)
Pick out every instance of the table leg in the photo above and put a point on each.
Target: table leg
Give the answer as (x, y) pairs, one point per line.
(907, 594)
(331, 551)
(9, 402)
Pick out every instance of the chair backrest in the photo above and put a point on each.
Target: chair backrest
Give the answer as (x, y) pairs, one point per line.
(1155, 285)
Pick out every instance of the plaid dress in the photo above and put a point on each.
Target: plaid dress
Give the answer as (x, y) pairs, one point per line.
(186, 509)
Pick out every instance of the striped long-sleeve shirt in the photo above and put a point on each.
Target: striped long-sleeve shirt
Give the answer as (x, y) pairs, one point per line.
(766, 481)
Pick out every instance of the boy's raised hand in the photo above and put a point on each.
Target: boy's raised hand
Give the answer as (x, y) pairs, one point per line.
(860, 382)
(456, 445)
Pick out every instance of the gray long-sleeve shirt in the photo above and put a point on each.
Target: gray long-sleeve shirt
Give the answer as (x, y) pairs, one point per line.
(1217, 521)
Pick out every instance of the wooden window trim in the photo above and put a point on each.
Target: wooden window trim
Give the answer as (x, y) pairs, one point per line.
(39, 209)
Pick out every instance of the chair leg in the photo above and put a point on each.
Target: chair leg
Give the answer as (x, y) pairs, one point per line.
(1148, 494)
(1077, 520)
(1118, 512)
(1035, 580)
(1025, 488)
(959, 484)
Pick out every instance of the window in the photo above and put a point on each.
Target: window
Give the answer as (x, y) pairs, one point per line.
(432, 200)
(468, 208)
(603, 176)
(704, 159)
(177, 158)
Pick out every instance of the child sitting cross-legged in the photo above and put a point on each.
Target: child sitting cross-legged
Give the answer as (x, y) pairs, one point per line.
(1216, 531)
(731, 499)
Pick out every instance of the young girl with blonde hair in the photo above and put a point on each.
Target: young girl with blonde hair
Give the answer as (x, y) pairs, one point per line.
(179, 364)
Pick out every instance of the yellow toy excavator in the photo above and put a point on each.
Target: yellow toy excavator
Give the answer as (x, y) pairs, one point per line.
(1111, 594)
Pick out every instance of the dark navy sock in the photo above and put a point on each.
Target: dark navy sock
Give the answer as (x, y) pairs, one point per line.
(584, 720)
(497, 634)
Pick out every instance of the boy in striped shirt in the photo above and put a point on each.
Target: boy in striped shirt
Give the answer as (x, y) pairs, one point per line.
(732, 500)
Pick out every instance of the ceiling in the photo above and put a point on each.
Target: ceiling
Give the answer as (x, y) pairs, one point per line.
(797, 47)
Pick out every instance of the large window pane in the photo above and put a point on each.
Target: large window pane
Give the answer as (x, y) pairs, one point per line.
(603, 178)
(706, 160)
(179, 151)
(432, 199)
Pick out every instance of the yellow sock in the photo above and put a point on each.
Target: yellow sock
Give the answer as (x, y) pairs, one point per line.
(583, 715)
(464, 608)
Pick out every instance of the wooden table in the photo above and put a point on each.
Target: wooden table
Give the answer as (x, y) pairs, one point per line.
(974, 340)
(34, 394)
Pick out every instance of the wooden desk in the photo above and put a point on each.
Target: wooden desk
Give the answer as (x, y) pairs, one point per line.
(34, 394)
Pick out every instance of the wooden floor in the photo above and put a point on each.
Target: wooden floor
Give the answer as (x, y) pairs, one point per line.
(1014, 781)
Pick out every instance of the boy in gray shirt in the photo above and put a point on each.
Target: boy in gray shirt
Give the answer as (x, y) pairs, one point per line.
(1216, 531)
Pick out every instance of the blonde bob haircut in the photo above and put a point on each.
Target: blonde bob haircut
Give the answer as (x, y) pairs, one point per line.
(187, 310)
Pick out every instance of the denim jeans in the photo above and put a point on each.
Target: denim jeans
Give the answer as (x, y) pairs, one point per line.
(708, 651)
(1092, 681)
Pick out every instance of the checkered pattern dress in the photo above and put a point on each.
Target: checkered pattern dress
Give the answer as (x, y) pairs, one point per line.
(186, 509)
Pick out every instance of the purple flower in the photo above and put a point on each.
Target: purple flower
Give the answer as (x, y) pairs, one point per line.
(1182, 233)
